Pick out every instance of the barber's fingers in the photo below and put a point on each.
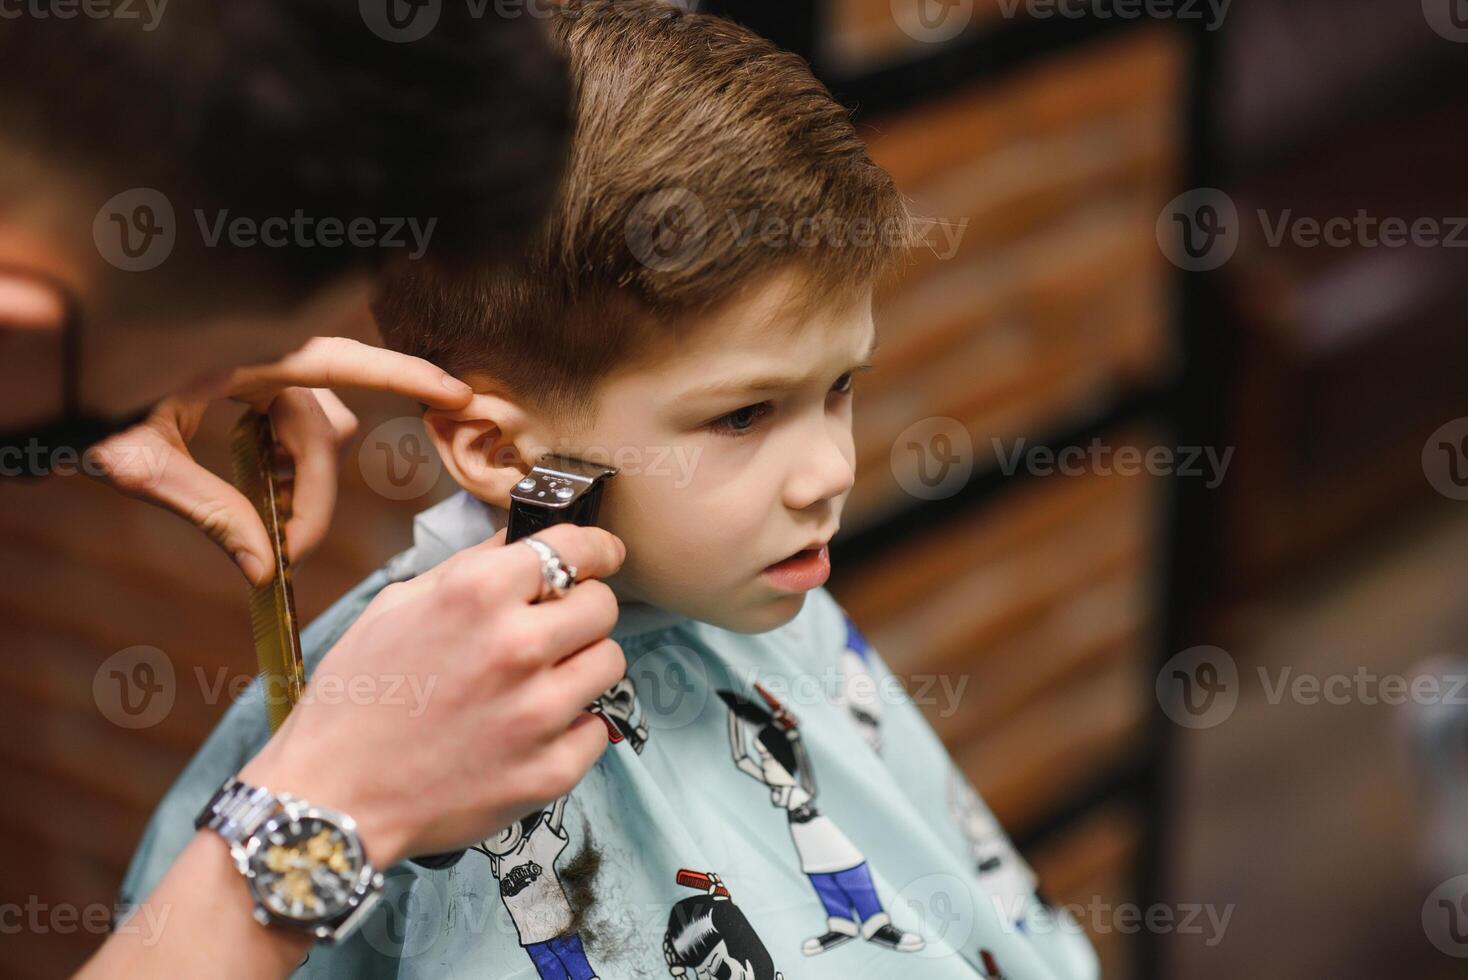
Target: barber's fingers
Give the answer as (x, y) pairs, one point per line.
(584, 676)
(493, 573)
(28, 304)
(338, 362)
(592, 551)
(343, 420)
(313, 440)
(584, 615)
(151, 462)
(562, 764)
(425, 583)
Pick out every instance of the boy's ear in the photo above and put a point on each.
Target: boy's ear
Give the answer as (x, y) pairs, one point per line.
(487, 446)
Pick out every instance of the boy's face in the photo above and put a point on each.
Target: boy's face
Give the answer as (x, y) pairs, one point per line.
(735, 452)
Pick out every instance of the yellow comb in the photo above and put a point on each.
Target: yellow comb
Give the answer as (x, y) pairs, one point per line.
(272, 606)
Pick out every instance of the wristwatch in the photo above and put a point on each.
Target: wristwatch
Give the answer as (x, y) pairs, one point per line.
(304, 864)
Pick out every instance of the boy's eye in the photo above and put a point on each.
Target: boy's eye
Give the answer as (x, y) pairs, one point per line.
(843, 384)
(741, 421)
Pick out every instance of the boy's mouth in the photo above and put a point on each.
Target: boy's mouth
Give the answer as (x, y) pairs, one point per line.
(806, 569)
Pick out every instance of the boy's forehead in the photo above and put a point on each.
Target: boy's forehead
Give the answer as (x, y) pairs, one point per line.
(766, 332)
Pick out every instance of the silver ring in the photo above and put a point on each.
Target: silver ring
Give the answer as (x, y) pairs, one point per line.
(557, 577)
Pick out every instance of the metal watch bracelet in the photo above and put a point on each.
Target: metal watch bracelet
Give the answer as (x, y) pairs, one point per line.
(250, 817)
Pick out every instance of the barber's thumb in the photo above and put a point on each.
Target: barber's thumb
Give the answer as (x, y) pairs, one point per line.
(237, 529)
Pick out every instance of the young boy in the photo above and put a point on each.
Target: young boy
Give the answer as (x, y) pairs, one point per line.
(694, 312)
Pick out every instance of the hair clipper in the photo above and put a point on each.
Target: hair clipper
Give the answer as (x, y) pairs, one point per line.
(558, 490)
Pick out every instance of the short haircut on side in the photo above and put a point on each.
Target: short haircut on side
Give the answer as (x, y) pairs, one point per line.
(703, 158)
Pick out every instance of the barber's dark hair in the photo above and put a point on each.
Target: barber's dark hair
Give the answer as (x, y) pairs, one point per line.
(263, 107)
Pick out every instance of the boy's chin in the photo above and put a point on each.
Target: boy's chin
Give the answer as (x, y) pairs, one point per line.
(758, 617)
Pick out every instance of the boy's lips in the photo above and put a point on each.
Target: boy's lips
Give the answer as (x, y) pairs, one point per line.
(815, 545)
(802, 571)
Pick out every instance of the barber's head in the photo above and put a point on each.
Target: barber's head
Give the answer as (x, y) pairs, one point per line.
(211, 182)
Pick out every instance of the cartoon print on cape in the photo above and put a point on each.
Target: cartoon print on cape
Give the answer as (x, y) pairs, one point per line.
(709, 938)
(858, 691)
(766, 746)
(523, 858)
(620, 711)
(1006, 877)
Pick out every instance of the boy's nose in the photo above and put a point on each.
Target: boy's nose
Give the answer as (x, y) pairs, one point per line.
(825, 469)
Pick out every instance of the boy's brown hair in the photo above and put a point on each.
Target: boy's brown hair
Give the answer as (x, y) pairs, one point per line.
(703, 157)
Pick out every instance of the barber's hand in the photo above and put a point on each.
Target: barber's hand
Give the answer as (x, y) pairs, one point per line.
(152, 461)
(497, 729)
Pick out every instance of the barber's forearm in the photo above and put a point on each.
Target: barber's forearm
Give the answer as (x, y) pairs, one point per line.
(198, 922)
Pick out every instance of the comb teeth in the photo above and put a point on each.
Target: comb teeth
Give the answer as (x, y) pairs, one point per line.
(272, 606)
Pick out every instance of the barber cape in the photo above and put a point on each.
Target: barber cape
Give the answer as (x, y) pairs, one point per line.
(770, 806)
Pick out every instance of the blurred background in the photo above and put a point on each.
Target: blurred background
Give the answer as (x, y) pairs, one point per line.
(1166, 459)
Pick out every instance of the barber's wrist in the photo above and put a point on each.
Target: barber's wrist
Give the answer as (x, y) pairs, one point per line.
(219, 878)
(384, 840)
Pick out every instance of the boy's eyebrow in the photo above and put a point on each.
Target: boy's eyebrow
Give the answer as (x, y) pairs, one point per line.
(767, 382)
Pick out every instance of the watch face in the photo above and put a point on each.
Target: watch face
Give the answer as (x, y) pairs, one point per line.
(306, 868)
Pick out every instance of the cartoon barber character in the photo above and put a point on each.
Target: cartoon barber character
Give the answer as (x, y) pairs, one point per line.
(523, 859)
(709, 938)
(836, 869)
(858, 692)
(1008, 880)
(620, 711)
